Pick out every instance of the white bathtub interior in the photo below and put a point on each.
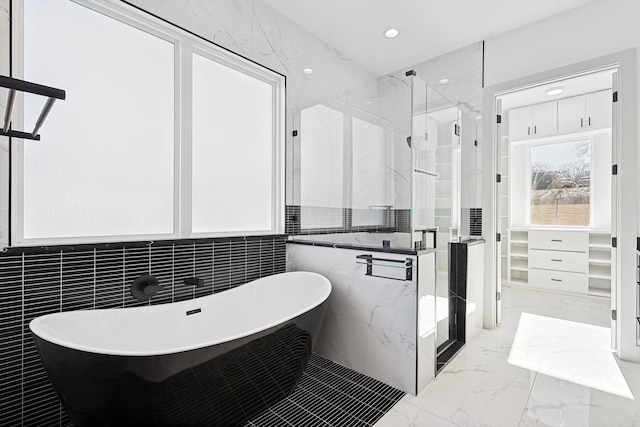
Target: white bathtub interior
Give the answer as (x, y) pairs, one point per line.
(167, 329)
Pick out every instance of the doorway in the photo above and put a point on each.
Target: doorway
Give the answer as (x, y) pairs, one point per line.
(555, 201)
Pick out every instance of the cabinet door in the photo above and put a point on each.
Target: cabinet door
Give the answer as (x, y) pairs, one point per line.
(544, 118)
(571, 115)
(520, 123)
(598, 109)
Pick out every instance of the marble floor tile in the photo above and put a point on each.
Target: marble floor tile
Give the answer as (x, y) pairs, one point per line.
(405, 415)
(478, 388)
(555, 402)
(547, 365)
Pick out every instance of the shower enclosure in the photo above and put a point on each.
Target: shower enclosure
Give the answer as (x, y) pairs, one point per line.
(383, 167)
(393, 167)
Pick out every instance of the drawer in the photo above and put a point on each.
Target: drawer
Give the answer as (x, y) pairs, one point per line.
(559, 240)
(576, 262)
(558, 280)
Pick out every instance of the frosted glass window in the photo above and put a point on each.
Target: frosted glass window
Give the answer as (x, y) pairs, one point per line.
(233, 147)
(321, 167)
(370, 169)
(105, 165)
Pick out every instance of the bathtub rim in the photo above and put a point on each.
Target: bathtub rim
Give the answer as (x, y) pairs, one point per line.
(34, 325)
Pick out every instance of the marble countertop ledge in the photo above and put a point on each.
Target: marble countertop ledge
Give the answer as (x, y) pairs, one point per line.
(392, 250)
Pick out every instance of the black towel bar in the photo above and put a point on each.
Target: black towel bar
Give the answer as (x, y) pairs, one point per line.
(370, 261)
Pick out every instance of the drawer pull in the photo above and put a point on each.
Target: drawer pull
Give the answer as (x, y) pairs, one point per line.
(557, 260)
(556, 240)
(556, 280)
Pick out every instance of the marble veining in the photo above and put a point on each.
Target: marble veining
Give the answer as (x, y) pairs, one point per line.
(370, 325)
(490, 391)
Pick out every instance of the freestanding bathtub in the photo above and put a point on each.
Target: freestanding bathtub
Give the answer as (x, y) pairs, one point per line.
(212, 361)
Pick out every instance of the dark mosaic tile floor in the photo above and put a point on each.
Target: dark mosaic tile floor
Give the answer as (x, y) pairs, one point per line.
(331, 395)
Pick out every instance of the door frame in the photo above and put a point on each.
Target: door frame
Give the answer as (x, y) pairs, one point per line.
(626, 219)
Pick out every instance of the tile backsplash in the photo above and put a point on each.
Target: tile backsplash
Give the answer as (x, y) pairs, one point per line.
(38, 281)
(305, 220)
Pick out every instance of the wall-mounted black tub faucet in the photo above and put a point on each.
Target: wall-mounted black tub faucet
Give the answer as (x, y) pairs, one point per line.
(194, 281)
(144, 287)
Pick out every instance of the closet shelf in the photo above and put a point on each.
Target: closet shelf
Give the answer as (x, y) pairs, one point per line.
(600, 261)
(16, 85)
(599, 246)
(599, 276)
(599, 292)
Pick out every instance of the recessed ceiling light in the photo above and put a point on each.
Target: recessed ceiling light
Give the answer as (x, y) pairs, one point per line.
(367, 101)
(555, 91)
(308, 71)
(391, 33)
(443, 81)
(478, 117)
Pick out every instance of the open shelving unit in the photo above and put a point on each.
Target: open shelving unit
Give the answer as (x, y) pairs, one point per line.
(600, 263)
(599, 260)
(518, 257)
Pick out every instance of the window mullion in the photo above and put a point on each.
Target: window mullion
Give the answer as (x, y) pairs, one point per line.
(184, 160)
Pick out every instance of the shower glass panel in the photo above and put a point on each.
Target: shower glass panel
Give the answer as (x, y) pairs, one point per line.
(443, 120)
(349, 157)
(321, 167)
(470, 180)
(423, 143)
(446, 194)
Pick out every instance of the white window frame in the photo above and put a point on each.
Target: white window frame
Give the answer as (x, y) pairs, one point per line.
(185, 45)
(531, 145)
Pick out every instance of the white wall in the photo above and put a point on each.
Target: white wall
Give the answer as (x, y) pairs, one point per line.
(593, 35)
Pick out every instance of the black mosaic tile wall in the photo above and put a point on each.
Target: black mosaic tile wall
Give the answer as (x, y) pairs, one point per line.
(321, 220)
(471, 221)
(39, 281)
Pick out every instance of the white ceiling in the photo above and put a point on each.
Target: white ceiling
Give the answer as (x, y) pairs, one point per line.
(428, 28)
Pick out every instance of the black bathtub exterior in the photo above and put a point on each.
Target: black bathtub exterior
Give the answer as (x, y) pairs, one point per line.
(221, 385)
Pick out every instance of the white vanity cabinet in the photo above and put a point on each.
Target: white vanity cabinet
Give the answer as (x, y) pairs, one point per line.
(533, 121)
(585, 112)
(559, 260)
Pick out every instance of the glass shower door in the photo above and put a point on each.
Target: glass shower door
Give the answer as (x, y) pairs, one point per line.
(436, 148)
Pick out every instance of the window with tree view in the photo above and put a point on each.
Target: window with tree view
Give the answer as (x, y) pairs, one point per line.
(561, 184)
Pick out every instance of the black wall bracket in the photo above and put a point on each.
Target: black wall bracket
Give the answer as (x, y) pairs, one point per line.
(16, 85)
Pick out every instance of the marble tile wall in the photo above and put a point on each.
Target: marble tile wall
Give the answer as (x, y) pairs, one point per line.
(427, 320)
(370, 325)
(395, 89)
(257, 32)
(463, 68)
